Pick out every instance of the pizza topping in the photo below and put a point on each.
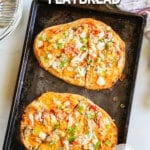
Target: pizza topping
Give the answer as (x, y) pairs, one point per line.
(27, 131)
(101, 45)
(42, 135)
(85, 126)
(70, 121)
(100, 81)
(101, 34)
(40, 44)
(31, 119)
(80, 71)
(84, 40)
(53, 118)
(84, 43)
(59, 45)
(70, 33)
(97, 145)
(120, 63)
(63, 62)
(49, 56)
(56, 65)
(81, 108)
(77, 114)
(79, 58)
(69, 68)
(100, 71)
(122, 106)
(57, 103)
(84, 139)
(108, 143)
(106, 121)
(83, 48)
(38, 116)
(42, 37)
(78, 43)
(66, 143)
(90, 115)
(83, 34)
(66, 33)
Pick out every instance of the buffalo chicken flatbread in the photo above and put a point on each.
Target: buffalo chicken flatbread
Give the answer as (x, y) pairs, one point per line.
(63, 121)
(85, 53)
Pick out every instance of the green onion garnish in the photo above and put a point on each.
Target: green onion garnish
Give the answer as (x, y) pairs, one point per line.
(97, 145)
(108, 143)
(84, 40)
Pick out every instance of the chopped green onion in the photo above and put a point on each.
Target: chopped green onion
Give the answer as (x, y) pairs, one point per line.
(71, 138)
(90, 61)
(101, 40)
(51, 143)
(108, 143)
(56, 126)
(101, 73)
(71, 130)
(80, 108)
(106, 46)
(84, 40)
(83, 48)
(35, 132)
(59, 106)
(107, 126)
(42, 37)
(99, 60)
(90, 115)
(59, 45)
(122, 105)
(62, 64)
(97, 145)
(46, 52)
(110, 40)
(66, 33)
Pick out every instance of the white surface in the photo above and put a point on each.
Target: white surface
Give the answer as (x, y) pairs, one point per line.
(10, 54)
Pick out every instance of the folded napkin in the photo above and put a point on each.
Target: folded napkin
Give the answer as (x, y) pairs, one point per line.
(140, 7)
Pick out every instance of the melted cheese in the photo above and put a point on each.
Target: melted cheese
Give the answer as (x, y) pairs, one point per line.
(79, 58)
(80, 127)
(83, 34)
(101, 34)
(100, 81)
(31, 118)
(66, 143)
(101, 45)
(42, 135)
(81, 43)
(71, 121)
(38, 116)
(40, 44)
(55, 64)
(78, 43)
(81, 71)
(53, 118)
(71, 32)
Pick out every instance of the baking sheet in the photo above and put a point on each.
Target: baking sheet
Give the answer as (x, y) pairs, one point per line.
(33, 80)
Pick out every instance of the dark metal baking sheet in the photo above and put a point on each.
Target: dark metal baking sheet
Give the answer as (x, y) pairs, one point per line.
(33, 80)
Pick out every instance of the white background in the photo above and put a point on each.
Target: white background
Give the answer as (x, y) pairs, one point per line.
(10, 55)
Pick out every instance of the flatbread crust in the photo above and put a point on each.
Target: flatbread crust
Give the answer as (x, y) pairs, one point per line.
(64, 121)
(85, 52)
